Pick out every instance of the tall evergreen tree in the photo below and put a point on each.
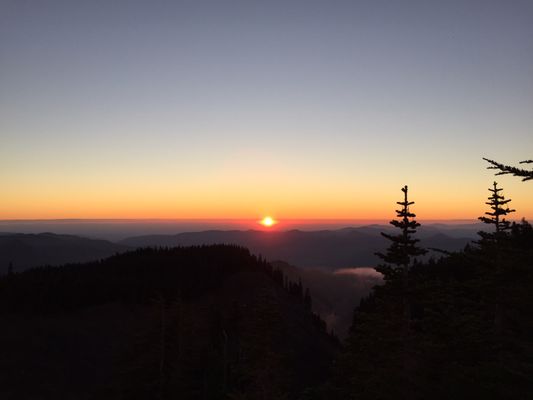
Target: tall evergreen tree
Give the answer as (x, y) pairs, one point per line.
(398, 259)
(496, 216)
(492, 242)
(508, 169)
(403, 247)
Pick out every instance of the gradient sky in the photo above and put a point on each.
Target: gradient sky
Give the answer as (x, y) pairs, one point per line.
(237, 109)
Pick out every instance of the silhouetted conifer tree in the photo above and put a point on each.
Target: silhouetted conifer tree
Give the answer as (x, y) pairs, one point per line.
(403, 247)
(496, 217)
(401, 252)
(491, 242)
(508, 169)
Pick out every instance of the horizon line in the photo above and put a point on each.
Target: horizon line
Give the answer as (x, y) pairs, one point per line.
(234, 220)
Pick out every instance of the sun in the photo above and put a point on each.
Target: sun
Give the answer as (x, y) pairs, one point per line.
(267, 221)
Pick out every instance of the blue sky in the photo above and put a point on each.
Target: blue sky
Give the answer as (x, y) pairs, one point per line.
(241, 108)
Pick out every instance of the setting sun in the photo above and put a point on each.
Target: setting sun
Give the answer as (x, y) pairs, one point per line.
(267, 221)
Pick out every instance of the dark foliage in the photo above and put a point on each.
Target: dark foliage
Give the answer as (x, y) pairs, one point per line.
(526, 175)
(208, 322)
(403, 246)
(496, 216)
(470, 333)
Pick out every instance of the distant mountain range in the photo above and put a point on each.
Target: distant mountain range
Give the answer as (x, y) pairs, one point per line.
(331, 249)
(348, 247)
(31, 250)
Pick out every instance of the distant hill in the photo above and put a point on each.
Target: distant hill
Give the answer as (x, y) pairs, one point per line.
(193, 323)
(330, 249)
(333, 249)
(31, 250)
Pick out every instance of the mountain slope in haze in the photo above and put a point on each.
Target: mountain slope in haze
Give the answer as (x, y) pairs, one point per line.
(205, 322)
(334, 293)
(341, 248)
(31, 250)
(427, 230)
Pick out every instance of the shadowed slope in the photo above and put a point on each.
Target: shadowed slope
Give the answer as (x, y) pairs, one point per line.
(31, 250)
(197, 322)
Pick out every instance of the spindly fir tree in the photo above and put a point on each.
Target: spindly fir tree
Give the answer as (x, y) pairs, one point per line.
(402, 250)
(496, 217)
(494, 240)
(403, 247)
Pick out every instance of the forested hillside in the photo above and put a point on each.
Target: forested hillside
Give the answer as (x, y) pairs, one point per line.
(195, 323)
(460, 327)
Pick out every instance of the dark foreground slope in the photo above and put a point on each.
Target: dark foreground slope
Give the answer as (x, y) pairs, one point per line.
(470, 334)
(190, 323)
(23, 251)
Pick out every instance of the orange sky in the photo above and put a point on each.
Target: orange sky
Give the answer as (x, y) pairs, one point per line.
(241, 199)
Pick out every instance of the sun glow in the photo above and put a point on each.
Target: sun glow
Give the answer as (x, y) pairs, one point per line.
(267, 221)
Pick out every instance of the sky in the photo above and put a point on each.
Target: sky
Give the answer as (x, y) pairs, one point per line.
(241, 109)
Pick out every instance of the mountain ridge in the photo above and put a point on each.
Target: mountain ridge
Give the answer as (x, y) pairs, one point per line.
(25, 250)
(342, 248)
